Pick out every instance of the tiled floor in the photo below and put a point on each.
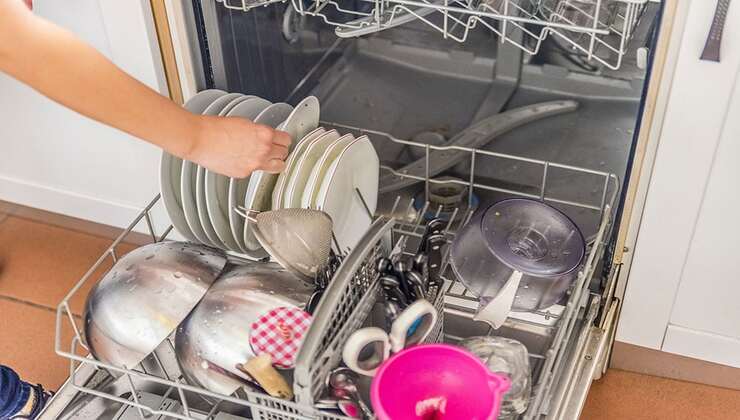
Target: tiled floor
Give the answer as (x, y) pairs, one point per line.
(39, 264)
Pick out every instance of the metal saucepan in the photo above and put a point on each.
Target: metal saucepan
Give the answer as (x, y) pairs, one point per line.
(144, 297)
(518, 254)
(215, 338)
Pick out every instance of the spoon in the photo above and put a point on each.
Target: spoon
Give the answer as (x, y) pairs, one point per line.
(344, 383)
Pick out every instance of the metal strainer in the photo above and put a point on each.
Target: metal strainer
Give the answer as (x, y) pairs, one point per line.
(298, 239)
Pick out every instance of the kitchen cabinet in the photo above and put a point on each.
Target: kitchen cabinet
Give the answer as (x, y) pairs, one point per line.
(682, 288)
(57, 160)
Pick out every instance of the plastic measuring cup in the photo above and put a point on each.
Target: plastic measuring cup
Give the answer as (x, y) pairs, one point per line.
(436, 381)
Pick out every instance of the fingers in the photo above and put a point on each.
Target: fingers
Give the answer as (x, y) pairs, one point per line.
(278, 152)
(273, 166)
(281, 138)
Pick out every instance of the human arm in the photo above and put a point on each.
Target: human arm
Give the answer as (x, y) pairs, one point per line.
(57, 64)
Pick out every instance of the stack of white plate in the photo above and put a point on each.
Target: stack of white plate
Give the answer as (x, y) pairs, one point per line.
(334, 173)
(201, 203)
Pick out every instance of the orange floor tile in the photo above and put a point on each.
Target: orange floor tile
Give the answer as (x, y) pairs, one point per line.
(40, 263)
(624, 395)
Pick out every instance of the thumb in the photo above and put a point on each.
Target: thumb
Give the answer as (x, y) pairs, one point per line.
(273, 166)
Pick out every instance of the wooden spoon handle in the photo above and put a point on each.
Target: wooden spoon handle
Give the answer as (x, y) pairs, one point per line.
(260, 368)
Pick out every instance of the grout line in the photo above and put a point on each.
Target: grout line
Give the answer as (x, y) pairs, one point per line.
(33, 305)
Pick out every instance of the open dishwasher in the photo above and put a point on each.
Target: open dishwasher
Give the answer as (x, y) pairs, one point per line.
(413, 75)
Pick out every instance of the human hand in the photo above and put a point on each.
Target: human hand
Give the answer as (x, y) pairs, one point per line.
(236, 147)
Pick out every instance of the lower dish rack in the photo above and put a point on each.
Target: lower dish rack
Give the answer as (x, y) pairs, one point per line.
(157, 389)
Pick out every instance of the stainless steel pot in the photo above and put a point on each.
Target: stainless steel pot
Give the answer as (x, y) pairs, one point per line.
(215, 338)
(518, 254)
(144, 297)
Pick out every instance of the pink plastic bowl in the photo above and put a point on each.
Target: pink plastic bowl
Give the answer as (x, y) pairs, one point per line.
(434, 382)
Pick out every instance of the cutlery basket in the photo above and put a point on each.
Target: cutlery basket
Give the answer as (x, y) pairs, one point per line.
(344, 308)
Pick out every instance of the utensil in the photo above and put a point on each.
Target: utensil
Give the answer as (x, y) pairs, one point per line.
(475, 136)
(392, 287)
(349, 190)
(260, 368)
(170, 174)
(345, 406)
(519, 254)
(367, 348)
(416, 283)
(345, 380)
(436, 381)
(506, 357)
(218, 331)
(261, 183)
(298, 239)
(144, 297)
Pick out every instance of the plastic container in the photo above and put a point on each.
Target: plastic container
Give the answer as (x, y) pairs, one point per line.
(436, 381)
(509, 358)
(523, 253)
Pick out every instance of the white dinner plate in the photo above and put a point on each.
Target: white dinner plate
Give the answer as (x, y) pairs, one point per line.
(170, 171)
(261, 183)
(248, 109)
(302, 120)
(303, 168)
(282, 182)
(201, 201)
(217, 193)
(332, 150)
(357, 168)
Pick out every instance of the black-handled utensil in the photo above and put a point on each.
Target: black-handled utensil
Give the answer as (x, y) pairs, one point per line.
(417, 283)
(392, 288)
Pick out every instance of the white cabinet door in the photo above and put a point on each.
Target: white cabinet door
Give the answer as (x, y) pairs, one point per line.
(709, 291)
(700, 112)
(54, 159)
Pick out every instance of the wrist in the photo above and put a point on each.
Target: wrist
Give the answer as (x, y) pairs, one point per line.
(196, 129)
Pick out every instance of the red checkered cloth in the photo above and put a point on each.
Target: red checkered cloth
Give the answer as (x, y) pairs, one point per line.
(280, 333)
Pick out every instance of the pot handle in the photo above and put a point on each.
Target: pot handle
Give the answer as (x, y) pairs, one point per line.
(497, 309)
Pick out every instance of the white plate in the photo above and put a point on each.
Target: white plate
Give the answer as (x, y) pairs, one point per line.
(200, 177)
(261, 184)
(217, 193)
(356, 168)
(293, 158)
(248, 109)
(170, 171)
(332, 150)
(303, 168)
(303, 119)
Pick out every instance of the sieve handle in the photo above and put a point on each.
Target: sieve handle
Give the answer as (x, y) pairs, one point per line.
(497, 309)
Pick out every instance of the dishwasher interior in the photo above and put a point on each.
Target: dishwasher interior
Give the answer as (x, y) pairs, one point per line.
(412, 87)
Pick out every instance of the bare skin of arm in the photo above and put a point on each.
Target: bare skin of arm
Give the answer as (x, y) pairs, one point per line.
(57, 64)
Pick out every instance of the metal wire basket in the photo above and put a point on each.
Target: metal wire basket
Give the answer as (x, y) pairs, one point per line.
(598, 30)
(351, 294)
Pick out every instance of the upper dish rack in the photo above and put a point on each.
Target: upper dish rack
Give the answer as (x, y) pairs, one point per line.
(597, 30)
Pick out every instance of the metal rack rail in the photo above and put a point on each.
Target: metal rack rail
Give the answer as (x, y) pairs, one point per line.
(598, 30)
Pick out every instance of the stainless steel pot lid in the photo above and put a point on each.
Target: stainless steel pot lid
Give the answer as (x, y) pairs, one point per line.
(533, 237)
